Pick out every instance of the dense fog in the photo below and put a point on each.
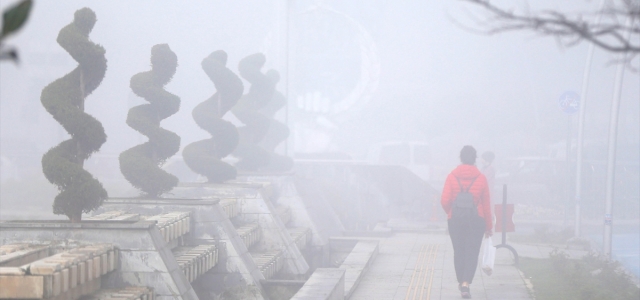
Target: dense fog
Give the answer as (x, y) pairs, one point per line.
(356, 74)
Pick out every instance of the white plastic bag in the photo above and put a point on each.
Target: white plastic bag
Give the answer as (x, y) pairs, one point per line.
(489, 256)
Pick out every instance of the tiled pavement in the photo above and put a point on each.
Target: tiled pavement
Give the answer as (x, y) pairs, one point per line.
(413, 265)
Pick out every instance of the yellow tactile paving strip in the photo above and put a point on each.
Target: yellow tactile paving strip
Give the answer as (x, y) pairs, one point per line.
(422, 276)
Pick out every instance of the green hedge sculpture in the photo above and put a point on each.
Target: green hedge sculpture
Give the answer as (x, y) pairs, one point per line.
(64, 98)
(256, 125)
(140, 165)
(278, 131)
(203, 157)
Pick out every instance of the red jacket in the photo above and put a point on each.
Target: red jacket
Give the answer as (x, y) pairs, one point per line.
(479, 190)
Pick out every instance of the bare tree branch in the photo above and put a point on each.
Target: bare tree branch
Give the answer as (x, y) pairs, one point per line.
(613, 34)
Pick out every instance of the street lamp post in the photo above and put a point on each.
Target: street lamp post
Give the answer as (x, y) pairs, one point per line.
(611, 159)
(611, 155)
(583, 110)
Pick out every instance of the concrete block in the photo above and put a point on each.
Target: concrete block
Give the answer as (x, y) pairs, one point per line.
(10, 248)
(112, 261)
(90, 270)
(361, 259)
(104, 216)
(327, 273)
(96, 268)
(366, 247)
(324, 284)
(57, 283)
(48, 285)
(73, 276)
(11, 271)
(104, 267)
(44, 268)
(74, 257)
(22, 287)
(116, 258)
(65, 280)
(82, 273)
(21, 254)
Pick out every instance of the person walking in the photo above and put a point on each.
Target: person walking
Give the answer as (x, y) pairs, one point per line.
(487, 167)
(467, 202)
(489, 171)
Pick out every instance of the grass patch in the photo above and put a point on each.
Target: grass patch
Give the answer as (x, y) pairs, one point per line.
(589, 278)
(544, 234)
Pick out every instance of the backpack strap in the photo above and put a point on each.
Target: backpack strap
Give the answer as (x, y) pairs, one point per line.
(471, 184)
(459, 184)
(462, 188)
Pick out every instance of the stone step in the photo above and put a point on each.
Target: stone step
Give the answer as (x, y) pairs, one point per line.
(114, 215)
(269, 263)
(250, 234)
(301, 236)
(172, 225)
(195, 261)
(324, 283)
(230, 207)
(128, 293)
(284, 212)
(357, 263)
(15, 255)
(69, 274)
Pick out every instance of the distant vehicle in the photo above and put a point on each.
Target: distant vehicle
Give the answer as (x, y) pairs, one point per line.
(414, 155)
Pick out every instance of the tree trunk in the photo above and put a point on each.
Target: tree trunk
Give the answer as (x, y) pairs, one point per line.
(75, 217)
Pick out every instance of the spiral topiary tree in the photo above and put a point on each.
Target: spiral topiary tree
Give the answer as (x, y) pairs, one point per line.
(278, 131)
(140, 165)
(256, 125)
(203, 157)
(64, 100)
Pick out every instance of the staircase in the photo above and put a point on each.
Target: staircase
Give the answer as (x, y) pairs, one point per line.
(269, 256)
(193, 260)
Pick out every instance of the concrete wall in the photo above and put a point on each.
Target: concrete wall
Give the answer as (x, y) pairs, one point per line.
(324, 284)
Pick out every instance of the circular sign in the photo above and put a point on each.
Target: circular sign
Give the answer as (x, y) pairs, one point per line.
(569, 102)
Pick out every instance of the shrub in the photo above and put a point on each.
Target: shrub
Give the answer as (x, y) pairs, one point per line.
(203, 157)
(261, 133)
(278, 131)
(595, 277)
(140, 165)
(64, 100)
(589, 278)
(256, 125)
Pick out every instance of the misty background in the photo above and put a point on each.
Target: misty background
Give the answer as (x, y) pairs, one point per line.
(360, 73)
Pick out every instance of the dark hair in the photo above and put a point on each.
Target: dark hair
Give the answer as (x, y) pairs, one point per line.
(468, 155)
(488, 156)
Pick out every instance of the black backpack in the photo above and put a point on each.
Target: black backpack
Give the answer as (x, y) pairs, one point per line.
(463, 206)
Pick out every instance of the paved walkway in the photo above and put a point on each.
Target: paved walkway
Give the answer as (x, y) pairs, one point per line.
(420, 266)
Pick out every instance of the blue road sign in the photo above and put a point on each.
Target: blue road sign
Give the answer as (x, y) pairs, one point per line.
(569, 102)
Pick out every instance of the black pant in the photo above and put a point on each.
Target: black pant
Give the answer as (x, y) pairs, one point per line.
(466, 237)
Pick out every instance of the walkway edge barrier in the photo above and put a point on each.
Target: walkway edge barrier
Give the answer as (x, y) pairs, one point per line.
(324, 284)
